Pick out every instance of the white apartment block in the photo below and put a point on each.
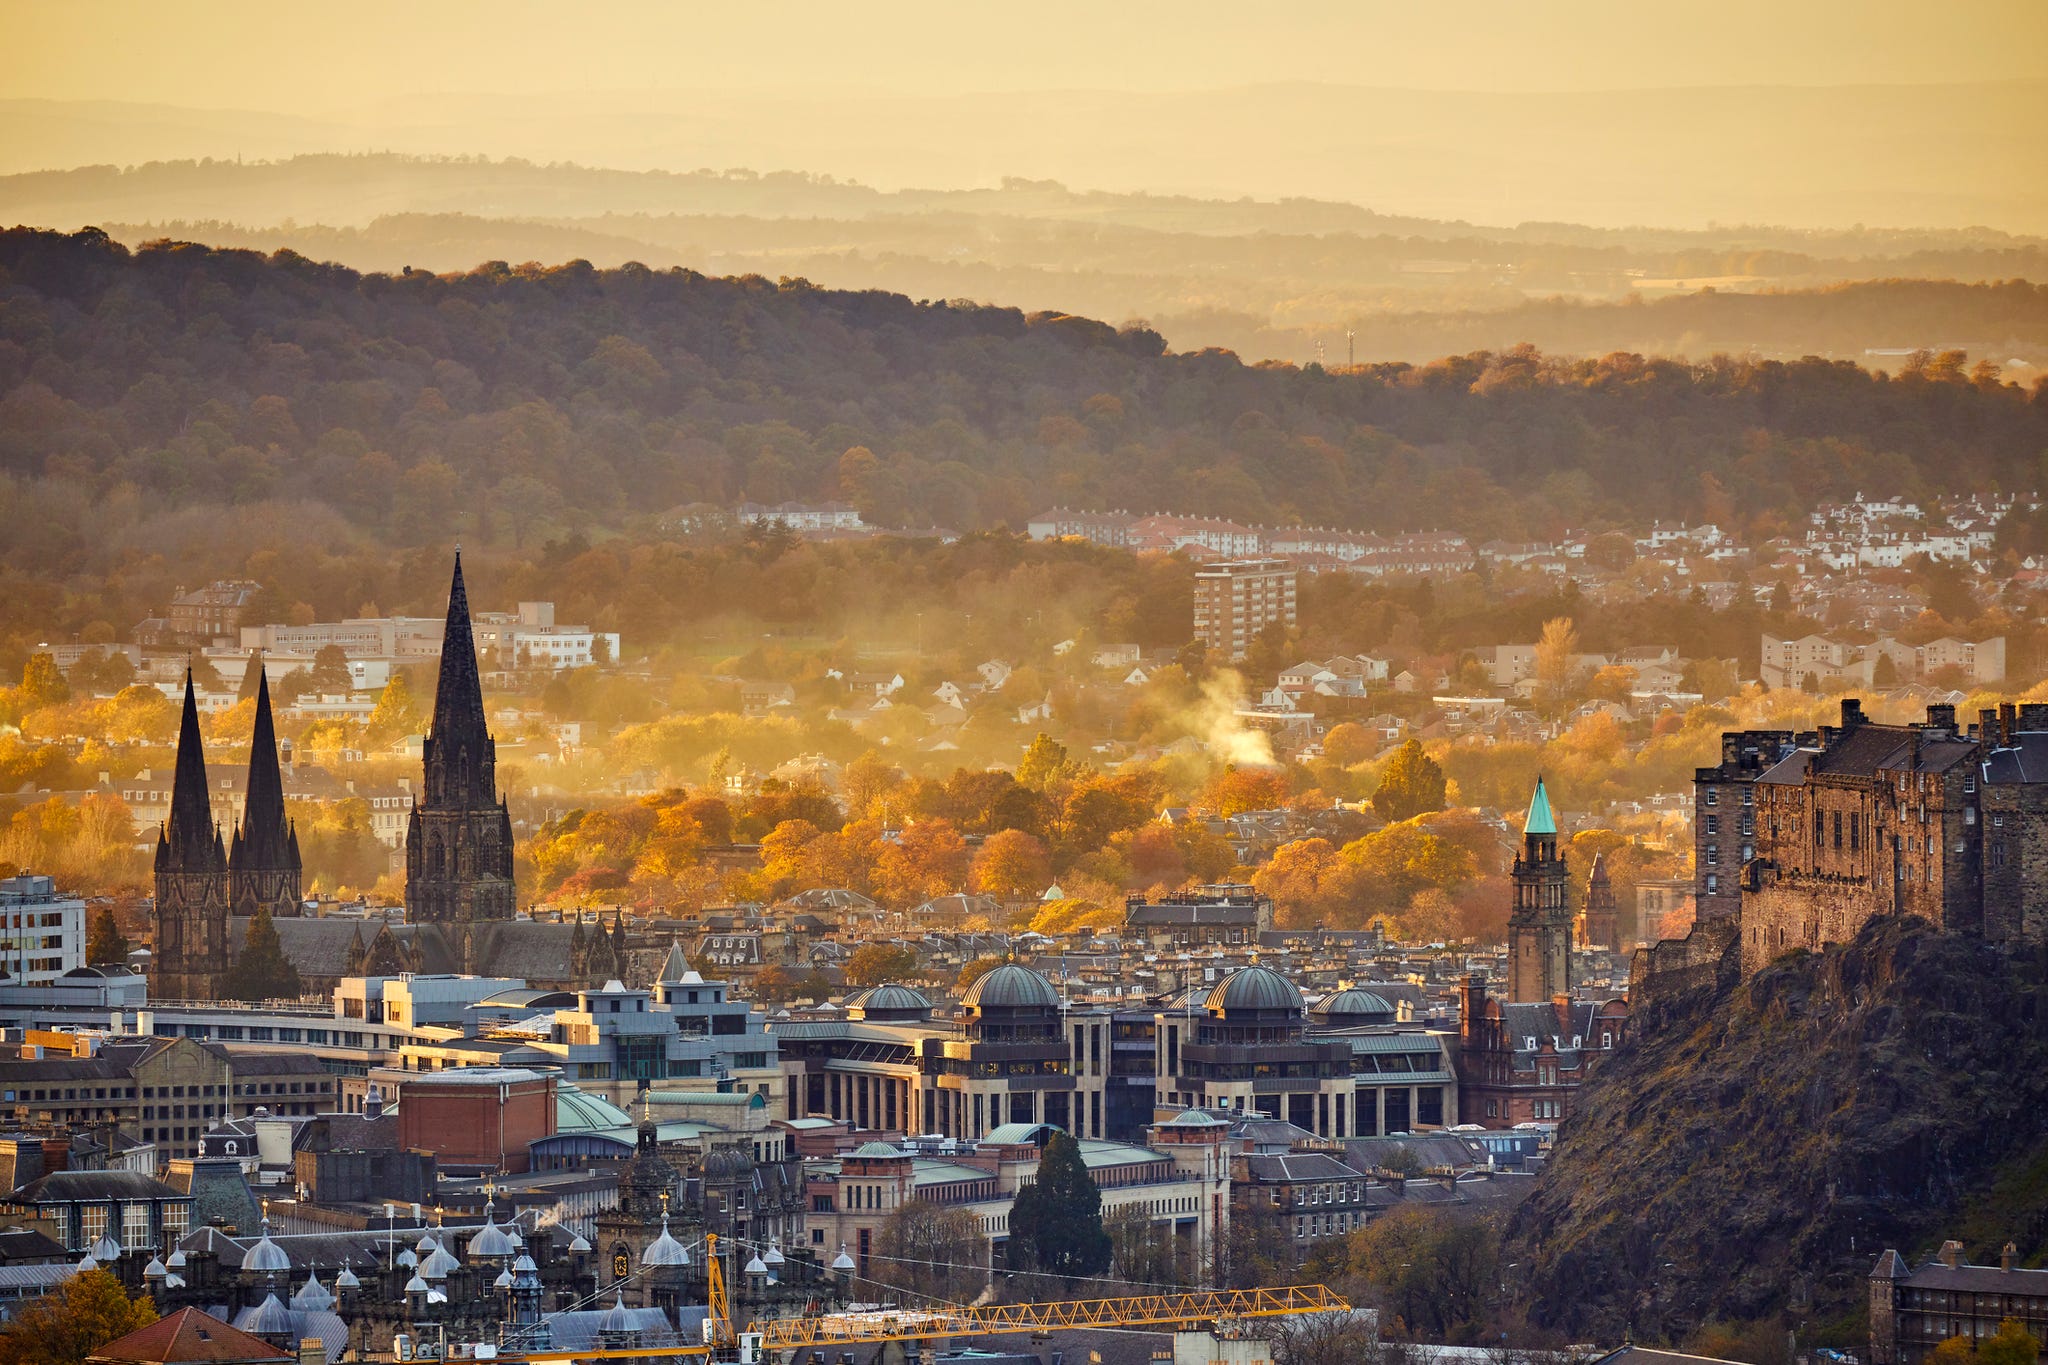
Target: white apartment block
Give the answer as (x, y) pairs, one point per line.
(42, 934)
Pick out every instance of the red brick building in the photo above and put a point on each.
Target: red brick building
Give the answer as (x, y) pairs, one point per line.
(482, 1117)
(1522, 1062)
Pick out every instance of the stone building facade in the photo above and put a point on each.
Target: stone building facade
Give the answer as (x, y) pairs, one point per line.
(1872, 819)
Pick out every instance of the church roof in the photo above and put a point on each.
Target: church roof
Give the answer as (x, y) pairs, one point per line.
(1540, 820)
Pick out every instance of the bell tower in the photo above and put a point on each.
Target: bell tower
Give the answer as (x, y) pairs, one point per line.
(1540, 925)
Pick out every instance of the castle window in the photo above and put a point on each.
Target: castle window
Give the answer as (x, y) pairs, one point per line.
(1855, 831)
(1969, 815)
(1838, 831)
(1713, 796)
(1713, 883)
(1713, 824)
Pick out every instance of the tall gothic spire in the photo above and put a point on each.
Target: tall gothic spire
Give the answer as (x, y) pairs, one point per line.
(190, 840)
(265, 838)
(458, 842)
(459, 692)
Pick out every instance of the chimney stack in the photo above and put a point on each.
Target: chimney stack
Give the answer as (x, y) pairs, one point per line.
(2007, 1256)
(1951, 1254)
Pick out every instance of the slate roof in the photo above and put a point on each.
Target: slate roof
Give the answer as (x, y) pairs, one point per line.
(2024, 760)
(1294, 1167)
(87, 1186)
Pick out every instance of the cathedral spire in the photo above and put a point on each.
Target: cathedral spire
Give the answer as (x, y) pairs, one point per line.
(265, 839)
(459, 691)
(190, 840)
(458, 843)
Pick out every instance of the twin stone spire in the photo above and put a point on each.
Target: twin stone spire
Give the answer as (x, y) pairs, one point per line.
(458, 842)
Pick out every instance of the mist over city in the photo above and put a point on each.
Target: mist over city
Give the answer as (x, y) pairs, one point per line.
(905, 685)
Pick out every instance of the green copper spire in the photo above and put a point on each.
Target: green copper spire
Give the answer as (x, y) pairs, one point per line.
(1540, 820)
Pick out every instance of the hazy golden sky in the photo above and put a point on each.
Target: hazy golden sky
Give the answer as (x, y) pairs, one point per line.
(314, 57)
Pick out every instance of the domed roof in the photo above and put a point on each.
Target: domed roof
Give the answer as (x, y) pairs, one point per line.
(491, 1240)
(578, 1112)
(577, 1245)
(313, 1296)
(106, 1249)
(1254, 988)
(880, 1149)
(891, 999)
(1011, 986)
(665, 1250)
(1194, 1118)
(504, 1280)
(439, 1265)
(347, 1280)
(726, 1163)
(266, 1257)
(266, 1319)
(616, 1318)
(1350, 1001)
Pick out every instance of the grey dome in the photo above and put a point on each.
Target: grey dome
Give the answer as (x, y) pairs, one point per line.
(313, 1295)
(1011, 986)
(347, 1279)
(269, 1318)
(266, 1257)
(439, 1265)
(616, 1318)
(1254, 988)
(890, 999)
(491, 1241)
(665, 1250)
(1352, 1001)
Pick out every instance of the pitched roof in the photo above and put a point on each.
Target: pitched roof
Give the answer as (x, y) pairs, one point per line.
(189, 1335)
(1540, 820)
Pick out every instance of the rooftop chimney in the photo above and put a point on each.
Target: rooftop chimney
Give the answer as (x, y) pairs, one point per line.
(1852, 712)
(1951, 1254)
(2007, 1256)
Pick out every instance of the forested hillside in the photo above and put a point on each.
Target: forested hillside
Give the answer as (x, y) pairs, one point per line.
(421, 407)
(1269, 278)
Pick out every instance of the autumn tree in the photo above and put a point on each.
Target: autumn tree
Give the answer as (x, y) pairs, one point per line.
(927, 858)
(397, 713)
(1056, 1221)
(2012, 1345)
(1302, 879)
(82, 1314)
(41, 683)
(975, 970)
(1045, 762)
(1557, 652)
(1012, 866)
(937, 1251)
(875, 964)
(1412, 784)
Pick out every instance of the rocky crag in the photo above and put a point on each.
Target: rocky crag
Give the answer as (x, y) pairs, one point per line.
(1747, 1153)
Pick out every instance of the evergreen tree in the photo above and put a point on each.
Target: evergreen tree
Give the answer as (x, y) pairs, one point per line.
(1056, 1221)
(104, 941)
(262, 972)
(1412, 785)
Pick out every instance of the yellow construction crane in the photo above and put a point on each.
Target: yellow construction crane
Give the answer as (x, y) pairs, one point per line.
(910, 1324)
